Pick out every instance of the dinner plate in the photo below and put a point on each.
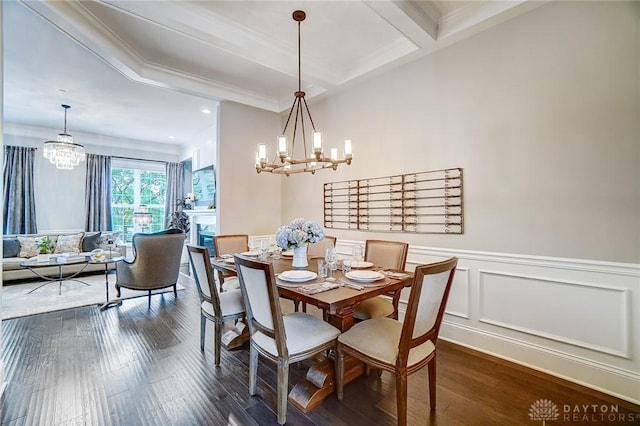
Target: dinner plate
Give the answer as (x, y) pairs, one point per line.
(297, 276)
(287, 253)
(361, 264)
(364, 276)
(229, 260)
(251, 253)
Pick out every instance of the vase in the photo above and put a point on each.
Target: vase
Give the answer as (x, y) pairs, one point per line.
(300, 257)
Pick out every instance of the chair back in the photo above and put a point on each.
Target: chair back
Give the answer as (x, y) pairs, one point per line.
(427, 301)
(262, 302)
(386, 254)
(317, 249)
(157, 256)
(230, 244)
(203, 276)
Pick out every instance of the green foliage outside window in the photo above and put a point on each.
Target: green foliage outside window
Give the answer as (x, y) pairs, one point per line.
(131, 188)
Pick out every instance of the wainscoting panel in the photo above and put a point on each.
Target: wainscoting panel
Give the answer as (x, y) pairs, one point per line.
(558, 310)
(576, 319)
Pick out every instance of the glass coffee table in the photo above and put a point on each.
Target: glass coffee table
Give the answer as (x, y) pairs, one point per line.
(36, 266)
(106, 261)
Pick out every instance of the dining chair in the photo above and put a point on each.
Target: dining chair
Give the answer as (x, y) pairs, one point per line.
(214, 306)
(282, 339)
(229, 244)
(403, 348)
(317, 249)
(386, 255)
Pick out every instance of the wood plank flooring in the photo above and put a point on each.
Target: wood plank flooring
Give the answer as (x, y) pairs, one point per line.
(133, 366)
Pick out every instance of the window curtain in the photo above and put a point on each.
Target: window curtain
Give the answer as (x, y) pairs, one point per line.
(97, 193)
(174, 190)
(19, 207)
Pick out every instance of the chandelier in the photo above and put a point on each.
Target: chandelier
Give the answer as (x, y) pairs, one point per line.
(142, 217)
(63, 152)
(311, 160)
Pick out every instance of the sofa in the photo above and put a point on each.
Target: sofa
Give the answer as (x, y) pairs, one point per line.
(19, 248)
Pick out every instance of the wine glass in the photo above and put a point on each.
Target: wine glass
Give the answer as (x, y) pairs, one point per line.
(356, 253)
(330, 259)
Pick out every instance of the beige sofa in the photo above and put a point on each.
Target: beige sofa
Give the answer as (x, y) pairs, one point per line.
(19, 248)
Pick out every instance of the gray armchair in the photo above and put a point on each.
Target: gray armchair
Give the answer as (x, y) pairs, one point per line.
(156, 264)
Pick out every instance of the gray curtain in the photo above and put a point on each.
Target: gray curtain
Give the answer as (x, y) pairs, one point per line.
(97, 193)
(19, 206)
(174, 190)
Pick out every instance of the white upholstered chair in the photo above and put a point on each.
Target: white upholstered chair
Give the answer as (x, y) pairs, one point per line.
(385, 255)
(214, 306)
(282, 339)
(403, 348)
(229, 244)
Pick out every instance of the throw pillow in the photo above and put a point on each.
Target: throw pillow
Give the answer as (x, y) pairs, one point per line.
(108, 236)
(90, 242)
(10, 247)
(69, 243)
(29, 245)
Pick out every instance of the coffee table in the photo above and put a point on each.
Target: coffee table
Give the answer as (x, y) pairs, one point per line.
(34, 266)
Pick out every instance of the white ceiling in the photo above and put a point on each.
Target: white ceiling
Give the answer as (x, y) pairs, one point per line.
(145, 69)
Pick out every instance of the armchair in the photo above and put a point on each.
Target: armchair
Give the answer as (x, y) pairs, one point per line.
(156, 264)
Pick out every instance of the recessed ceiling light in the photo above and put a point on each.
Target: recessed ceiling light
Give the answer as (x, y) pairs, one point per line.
(172, 137)
(206, 110)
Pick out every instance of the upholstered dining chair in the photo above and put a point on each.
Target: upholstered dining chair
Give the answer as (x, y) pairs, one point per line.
(317, 249)
(385, 255)
(282, 339)
(229, 244)
(403, 348)
(156, 264)
(214, 306)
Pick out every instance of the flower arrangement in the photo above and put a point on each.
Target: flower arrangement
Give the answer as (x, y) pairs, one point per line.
(298, 233)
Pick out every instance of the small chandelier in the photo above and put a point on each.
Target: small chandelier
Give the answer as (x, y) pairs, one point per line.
(142, 217)
(63, 152)
(316, 159)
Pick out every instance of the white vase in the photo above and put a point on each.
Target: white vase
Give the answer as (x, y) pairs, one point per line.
(300, 257)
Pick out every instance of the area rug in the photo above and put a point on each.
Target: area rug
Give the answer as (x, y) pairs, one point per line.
(18, 302)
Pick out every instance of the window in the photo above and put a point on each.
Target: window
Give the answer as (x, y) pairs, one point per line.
(136, 183)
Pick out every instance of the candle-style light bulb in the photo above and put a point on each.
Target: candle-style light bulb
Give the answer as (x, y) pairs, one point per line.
(262, 152)
(334, 154)
(347, 148)
(282, 145)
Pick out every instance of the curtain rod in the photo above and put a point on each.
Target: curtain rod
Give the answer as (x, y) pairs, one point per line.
(138, 159)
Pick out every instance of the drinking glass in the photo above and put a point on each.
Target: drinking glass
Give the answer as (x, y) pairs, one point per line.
(346, 265)
(322, 269)
(264, 250)
(276, 252)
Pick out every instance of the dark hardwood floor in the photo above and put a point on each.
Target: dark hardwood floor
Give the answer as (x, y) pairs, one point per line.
(133, 366)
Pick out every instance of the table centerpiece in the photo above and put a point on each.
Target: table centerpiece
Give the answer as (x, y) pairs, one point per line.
(296, 236)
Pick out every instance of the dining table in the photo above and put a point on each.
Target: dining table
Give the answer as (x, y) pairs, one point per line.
(337, 304)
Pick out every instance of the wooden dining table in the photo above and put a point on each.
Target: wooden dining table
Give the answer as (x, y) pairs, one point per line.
(337, 306)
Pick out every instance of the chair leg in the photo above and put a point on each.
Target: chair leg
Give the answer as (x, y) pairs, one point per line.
(149, 303)
(253, 370)
(304, 306)
(175, 290)
(401, 398)
(296, 304)
(283, 390)
(218, 341)
(118, 290)
(340, 375)
(203, 329)
(431, 367)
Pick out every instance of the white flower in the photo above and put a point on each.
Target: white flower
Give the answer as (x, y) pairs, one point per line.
(298, 233)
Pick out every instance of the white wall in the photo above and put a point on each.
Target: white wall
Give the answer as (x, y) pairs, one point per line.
(248, 202)
(542, 113)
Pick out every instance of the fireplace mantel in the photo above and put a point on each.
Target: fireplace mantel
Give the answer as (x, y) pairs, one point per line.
(200, 217)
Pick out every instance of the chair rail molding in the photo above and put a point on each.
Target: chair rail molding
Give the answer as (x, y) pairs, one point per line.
(575, 319)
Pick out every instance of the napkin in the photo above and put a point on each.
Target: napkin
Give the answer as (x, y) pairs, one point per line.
(317, 288)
